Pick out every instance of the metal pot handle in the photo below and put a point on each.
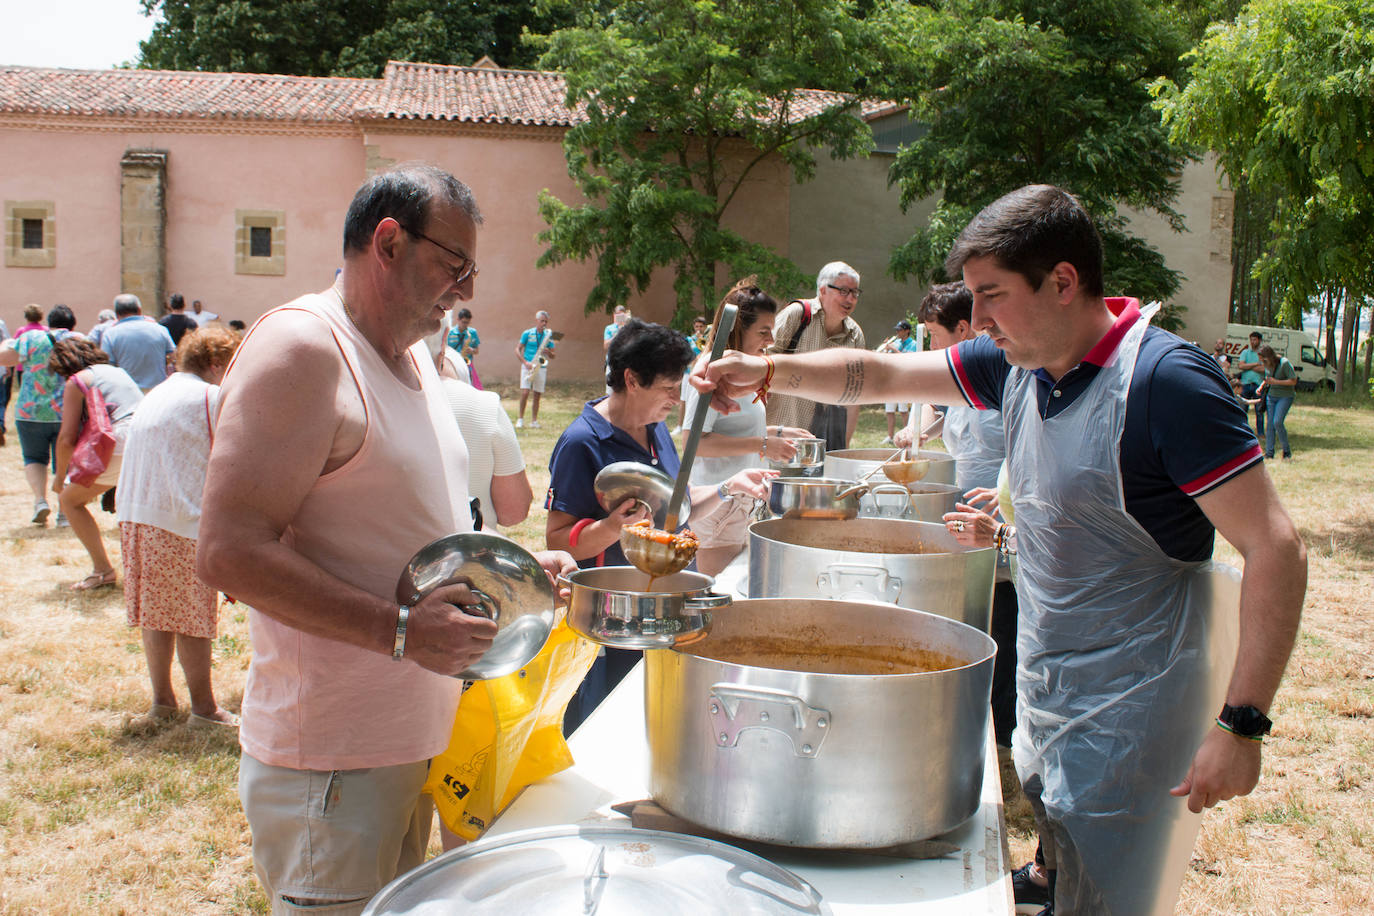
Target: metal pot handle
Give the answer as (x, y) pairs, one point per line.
(861, 487)
(891, 489)
(733, 708)
(707, 602)
(841, 580)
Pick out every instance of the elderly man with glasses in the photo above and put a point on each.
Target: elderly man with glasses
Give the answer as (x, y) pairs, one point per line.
(808, 325)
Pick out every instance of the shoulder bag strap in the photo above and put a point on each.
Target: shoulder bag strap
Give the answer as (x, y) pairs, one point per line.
(806, 320)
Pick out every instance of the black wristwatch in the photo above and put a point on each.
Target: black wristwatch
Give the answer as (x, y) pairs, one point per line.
(1244, 722)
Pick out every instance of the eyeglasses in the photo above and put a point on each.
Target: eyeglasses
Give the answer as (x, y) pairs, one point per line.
(467, 267)
(846, 290)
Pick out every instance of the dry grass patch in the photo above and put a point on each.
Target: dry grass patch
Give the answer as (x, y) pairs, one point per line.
(94, 819)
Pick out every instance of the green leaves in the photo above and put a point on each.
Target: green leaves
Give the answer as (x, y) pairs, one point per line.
(686, 101)
(1285, 94)
(1018, 93)
(337, 37)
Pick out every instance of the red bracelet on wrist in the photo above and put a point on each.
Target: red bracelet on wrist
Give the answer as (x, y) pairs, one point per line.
(761, 394)
(577, 530)
(576, 533)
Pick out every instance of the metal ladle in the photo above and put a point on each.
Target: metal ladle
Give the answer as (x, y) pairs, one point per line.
(654, 557)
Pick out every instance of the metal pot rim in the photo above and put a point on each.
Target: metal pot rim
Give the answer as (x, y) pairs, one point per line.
(927, 620)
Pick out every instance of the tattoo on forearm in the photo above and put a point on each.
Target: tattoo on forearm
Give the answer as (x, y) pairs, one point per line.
(853, 381)
(794, 381)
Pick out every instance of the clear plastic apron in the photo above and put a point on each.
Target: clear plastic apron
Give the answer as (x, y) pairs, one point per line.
(1124, 653)
(976, 440)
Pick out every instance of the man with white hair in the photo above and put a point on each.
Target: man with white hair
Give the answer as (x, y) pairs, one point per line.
(103, 321)
(534, 343)
(138, 344)
(808, 325)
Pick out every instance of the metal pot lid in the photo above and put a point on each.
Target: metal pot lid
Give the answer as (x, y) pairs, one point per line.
(602, 870)
(511, 588)
(622, 480)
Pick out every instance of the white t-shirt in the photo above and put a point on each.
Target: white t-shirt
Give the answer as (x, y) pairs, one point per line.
(493, 449)
(750, 420)
(165, 458)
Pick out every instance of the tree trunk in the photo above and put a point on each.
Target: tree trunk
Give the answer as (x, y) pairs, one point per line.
(1347, 335)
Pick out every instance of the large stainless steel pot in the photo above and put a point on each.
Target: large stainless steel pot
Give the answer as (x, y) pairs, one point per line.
(853, 463)
(912, 564)
(756, 732)
(917, 502)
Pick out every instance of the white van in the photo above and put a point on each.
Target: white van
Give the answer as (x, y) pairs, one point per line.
(1298, 346)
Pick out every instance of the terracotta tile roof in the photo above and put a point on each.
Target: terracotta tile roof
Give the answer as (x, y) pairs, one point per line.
(408, 91)
(178, 94)
(411, 91)
(417, 91)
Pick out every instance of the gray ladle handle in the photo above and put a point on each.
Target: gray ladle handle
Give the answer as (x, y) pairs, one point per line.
(689, 448)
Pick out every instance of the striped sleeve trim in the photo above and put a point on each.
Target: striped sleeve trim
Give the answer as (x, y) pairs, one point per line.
(956, 369)
(1220, 475)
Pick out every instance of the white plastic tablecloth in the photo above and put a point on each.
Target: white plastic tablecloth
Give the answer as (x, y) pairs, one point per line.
(612, 766)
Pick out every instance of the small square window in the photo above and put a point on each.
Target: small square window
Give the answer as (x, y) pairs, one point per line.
(33, 234)
(30, 231)
(260, 241)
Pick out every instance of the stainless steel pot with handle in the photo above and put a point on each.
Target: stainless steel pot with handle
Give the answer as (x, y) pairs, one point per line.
(611, 606)
(822, 724)
(814, 497)
(853, 463)
(916, 502)
(913, 564)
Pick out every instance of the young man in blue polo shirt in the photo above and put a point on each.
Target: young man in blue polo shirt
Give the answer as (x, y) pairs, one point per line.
(535, 342)
(1126, 453)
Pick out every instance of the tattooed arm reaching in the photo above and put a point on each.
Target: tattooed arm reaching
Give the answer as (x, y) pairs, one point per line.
(837, 376)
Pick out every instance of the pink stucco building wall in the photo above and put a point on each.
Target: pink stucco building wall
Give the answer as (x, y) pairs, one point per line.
(307, 169)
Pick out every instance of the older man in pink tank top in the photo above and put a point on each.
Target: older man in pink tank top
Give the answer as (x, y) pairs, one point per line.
(335, 458)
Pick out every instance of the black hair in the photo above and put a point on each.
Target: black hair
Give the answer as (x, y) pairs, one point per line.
(406, 194)
(1028, 232)
(650, 351)
(947, 304)
(465, 313)
(61, 317)
(176, 302)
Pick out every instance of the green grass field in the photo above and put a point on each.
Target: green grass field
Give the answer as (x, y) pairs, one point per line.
(95, 819)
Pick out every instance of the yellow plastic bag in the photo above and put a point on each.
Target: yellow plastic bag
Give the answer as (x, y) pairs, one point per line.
(508, 733)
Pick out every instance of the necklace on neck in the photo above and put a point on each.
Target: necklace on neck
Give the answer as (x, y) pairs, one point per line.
(348, 313)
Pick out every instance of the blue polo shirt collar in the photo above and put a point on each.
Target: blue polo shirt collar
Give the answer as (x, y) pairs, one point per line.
(1053, 396)
(605, 430)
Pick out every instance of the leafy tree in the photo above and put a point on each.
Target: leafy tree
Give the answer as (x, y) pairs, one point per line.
(1283, 95)
(1020, 92)
(684, 100)
(337, 37)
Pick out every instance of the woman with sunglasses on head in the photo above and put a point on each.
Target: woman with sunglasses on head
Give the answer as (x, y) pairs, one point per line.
(737, 441)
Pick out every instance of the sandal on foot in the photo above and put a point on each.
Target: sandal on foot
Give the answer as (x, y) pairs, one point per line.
(94, 581)
(229, 721)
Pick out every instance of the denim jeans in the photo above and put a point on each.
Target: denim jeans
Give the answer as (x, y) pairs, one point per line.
(1248, 391)
(1277, 409)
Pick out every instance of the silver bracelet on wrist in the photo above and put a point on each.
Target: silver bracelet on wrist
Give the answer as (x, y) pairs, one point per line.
(723, 492)
(398, 648)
